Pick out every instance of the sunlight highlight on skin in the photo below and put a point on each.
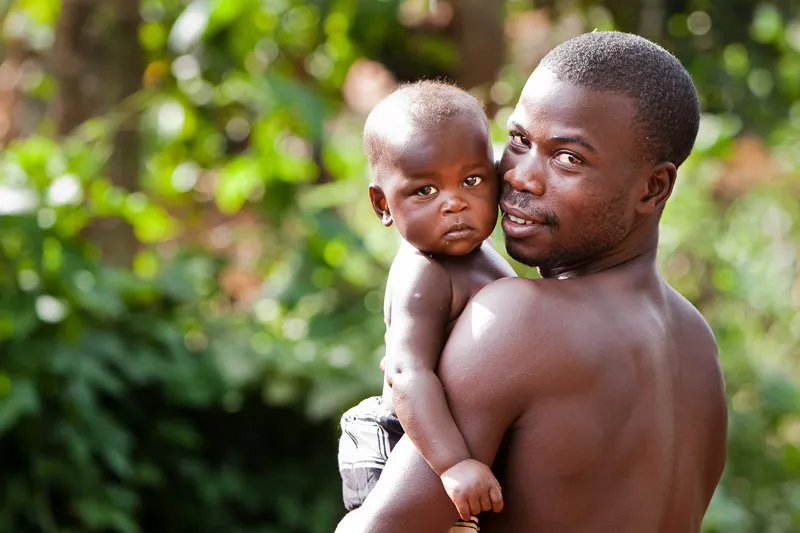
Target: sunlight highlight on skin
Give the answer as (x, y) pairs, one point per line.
(394, 112)
(480, 319)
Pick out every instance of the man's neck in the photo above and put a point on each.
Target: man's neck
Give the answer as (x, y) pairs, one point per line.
(636, 250)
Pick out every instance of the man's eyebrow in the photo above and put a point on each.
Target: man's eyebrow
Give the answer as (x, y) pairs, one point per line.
(514, 125)
(577, 139)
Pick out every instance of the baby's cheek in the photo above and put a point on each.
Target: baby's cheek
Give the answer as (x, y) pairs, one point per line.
(490, 215)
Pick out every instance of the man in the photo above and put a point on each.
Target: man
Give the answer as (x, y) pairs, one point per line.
(595, 392)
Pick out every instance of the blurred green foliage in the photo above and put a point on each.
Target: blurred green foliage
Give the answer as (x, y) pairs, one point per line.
(165, 396)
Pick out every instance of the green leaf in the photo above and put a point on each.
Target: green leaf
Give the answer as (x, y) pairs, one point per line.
(19, 400)
(237, 181)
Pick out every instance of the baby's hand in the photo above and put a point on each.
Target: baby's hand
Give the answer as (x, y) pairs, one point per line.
(473, 488)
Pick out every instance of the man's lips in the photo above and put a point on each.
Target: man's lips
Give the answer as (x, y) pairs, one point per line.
(519, 217)
(518, 225)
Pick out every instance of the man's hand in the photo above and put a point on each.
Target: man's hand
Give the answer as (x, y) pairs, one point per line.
(473, 488)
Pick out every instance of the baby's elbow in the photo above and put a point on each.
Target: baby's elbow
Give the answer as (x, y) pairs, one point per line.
(396, 375)
(402, 379)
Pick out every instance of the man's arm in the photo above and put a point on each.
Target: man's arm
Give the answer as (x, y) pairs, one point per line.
(485, 396)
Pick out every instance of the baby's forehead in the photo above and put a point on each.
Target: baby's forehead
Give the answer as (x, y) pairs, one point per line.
(437, 152)
(403, 124)
(428, 132)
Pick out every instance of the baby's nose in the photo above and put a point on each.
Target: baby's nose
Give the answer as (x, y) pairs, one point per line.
(453, 204)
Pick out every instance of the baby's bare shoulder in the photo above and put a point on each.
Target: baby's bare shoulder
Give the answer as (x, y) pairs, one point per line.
(414, 274)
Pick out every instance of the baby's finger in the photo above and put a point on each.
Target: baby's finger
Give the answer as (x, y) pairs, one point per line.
(463, 508)
(496, 495)
(486, 502)
(475, 505)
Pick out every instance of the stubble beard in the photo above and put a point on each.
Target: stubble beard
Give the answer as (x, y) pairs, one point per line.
(600, 232)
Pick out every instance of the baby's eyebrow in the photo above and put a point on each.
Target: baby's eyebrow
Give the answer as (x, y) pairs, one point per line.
(473, 166)
(420, 176)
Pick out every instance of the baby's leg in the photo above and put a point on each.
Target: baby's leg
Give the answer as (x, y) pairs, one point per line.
(369, 433)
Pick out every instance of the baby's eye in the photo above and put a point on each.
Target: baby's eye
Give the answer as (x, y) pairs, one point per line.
(427, 190)
(473, 181)
(567, 158)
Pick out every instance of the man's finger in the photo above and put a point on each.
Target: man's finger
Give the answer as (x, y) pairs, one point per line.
(496, 495)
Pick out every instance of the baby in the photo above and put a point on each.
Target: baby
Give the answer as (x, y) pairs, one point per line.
(434, 177)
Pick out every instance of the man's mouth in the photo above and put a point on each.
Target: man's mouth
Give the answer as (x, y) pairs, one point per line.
(523, 219)
(518, 220)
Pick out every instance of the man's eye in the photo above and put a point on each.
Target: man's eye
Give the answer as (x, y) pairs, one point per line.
(567, 158)
(473, 181)
(427, 190)
(517, 138)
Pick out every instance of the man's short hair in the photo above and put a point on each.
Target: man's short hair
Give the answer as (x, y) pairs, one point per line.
(667, 110)
(414, 106)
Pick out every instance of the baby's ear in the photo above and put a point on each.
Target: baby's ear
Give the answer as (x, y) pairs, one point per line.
(379, 205)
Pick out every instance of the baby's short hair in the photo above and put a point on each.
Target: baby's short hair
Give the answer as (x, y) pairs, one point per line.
(410, 107)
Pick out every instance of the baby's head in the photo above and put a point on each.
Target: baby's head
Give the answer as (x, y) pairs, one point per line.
(433, 171)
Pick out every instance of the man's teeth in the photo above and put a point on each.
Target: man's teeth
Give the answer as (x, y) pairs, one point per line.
(512, 218)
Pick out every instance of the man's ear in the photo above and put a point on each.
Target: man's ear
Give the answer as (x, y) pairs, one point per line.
(379, 205)
(657, 188)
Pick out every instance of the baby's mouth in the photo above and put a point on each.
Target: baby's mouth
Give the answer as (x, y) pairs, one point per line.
(459, 231)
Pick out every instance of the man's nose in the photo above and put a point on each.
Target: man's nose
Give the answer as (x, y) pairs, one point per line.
(453, 204)
(528, 174)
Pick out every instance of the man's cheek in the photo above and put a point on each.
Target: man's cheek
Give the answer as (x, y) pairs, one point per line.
(506, 163)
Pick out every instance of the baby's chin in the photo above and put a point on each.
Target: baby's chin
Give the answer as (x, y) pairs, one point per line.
(459, 248)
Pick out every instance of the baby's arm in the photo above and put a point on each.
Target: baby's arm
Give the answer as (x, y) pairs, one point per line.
(420, 309)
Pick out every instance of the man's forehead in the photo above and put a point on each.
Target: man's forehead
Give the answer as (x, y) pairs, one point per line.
(545, 98)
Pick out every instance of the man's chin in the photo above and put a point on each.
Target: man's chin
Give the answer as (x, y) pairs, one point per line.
(518, 253)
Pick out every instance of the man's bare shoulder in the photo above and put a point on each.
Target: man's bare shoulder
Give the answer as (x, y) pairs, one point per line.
(518, 299)
(519, 320)
(692, 323)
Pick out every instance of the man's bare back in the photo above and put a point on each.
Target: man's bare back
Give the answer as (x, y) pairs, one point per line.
(630, 402)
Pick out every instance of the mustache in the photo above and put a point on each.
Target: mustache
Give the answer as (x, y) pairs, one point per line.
(525, 201)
